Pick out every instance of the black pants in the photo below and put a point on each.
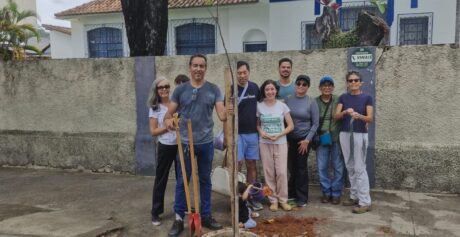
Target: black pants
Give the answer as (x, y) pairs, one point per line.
(165, 157)
(298, 169)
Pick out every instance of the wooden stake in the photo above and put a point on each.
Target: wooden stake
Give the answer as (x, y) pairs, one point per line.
(232, 132)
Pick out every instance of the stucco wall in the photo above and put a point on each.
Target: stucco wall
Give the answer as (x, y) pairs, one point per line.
(65, 113)
(417, 132)
(68, 113)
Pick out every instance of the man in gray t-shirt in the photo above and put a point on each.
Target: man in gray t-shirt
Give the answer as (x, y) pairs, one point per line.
(196, 100)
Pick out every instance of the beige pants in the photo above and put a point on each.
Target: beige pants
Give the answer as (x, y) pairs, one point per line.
(274, 160)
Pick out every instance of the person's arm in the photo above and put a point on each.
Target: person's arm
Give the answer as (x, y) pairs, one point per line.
(154, 129)
(314, 116)
(245, 195)
(366, 118)
(339, 113)
(220, 109)
(288, 129)
(172, 108)
(261, 132)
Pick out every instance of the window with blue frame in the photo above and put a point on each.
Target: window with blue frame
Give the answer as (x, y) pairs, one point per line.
(195, 38)
(258, 46)
(348, 16)
(105, 42)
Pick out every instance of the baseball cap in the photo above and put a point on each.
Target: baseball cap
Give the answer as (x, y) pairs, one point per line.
(303, 78)
(325, 79)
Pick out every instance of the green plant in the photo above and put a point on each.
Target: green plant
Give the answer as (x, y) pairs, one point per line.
(14, 34)
(380, 4)
(342, 40)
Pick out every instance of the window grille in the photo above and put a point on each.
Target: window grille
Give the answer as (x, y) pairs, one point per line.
(105, 42)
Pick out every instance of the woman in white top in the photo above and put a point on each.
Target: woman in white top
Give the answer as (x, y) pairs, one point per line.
(167, 144)
(271, 114)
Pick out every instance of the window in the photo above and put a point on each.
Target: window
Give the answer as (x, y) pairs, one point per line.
(194, 38)
(309, 39)
(105, 42)
(348, 16)
(255, 46)
(413, 30)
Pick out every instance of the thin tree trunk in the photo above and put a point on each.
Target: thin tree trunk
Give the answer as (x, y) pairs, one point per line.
(457, 28)
(146, 26)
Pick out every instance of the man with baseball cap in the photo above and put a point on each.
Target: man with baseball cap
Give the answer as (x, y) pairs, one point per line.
(331, 186)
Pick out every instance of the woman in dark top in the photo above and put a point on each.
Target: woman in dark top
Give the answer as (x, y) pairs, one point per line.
(355, 109)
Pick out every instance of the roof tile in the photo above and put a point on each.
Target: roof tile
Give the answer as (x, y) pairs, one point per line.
(111, 6)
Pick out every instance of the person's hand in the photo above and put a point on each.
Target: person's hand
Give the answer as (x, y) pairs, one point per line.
(303, 146)
(355, 115)
(264, 135)
(274, 137)
(169, 124)
(349, 111)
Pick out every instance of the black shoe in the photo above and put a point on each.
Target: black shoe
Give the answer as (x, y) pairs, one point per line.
(156, 220)
(210, 223)
(176, 229)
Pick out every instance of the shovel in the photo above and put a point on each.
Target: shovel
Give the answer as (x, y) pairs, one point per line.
(194, 219)
(182, 164)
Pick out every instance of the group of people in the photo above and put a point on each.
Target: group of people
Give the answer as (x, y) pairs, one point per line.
(278, 123)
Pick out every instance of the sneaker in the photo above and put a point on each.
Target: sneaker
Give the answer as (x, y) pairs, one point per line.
(156, 220)
(335, 200)
(325, 198)
(350, 202)
(274, 207)
(286, 206)
(361, 209)
(255, 206)
(176, 229)
(211, 223)
(301, 204)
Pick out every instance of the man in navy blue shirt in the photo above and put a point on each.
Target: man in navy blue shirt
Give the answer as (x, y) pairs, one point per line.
(248, 139)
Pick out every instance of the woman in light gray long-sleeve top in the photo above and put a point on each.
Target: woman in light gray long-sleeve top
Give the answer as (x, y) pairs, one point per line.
(304, 113)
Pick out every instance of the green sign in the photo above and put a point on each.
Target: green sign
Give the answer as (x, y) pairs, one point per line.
(361, 58)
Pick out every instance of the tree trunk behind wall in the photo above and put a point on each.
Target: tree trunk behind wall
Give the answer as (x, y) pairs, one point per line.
(146, 26)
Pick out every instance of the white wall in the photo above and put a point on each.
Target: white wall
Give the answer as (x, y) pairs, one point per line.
(280, 22)
(245, 18)
(443, 21)
(60, 45)
(285, 24)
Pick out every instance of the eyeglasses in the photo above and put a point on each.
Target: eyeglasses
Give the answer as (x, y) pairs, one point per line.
(354, 80)
(166, 87)
(194, 94)
(301, 84)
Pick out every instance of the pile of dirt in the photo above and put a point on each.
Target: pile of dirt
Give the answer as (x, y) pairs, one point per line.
(286, 226)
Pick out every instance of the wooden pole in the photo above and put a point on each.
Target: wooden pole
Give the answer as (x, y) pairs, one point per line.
(232, 132)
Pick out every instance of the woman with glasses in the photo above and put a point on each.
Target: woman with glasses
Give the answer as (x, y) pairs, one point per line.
(167, 144)
(355, 109)
(271, 114)
(304, 112)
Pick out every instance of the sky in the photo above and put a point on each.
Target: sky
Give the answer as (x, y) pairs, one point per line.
(47, 8)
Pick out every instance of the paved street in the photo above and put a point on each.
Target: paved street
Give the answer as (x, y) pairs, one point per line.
(42, 202)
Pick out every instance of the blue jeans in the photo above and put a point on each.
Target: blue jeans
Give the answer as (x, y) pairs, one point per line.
(204, 154)
(324, 154)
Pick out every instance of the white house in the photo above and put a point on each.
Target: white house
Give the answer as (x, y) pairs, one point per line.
(98, 30)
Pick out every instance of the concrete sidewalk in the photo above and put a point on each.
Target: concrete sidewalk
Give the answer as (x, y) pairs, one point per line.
(61, 203)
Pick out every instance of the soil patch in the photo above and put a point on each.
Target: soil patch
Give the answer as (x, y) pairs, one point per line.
(286, 226)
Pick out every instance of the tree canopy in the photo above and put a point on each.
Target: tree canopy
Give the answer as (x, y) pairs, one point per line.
(14, 34)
